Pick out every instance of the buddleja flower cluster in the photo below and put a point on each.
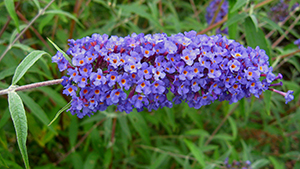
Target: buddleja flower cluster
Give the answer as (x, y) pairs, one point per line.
(281, 10)
(237, 164)
(138, 71)
(211, 10)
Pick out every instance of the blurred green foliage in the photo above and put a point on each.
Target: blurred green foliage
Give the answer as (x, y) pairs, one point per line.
(264, 131)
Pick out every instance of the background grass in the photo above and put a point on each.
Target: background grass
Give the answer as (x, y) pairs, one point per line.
(264, 131)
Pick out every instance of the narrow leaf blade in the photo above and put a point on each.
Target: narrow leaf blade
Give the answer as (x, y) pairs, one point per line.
(36, 110)
(234, 19)
(2, 162)
(238, 5)
(255, 38)
(60, 111)
(18, 116)
(195, 151)
(10, 6)
(26, 63)
(67, 14)
(57, 48)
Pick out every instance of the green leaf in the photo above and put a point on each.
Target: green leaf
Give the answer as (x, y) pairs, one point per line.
(76, 161)
(233, 127)
(156, 163)
(60, 111)
(73, 131)
(198, 154)
(267, 100)
(238, 5)
(67, 14)
(91, 160)
(235, 19)
(255, 38)
(7, 72)
(140, 125)
(246, 151)
(23, 47)
(36, 110)
(107, 158)
(124, 126)
(276, 163)
(273, 25)
(197, 132)
(44, 21)
(10, 6)
(233, 28)
(18, 116)
(140, 10)
(54, 95)
(254, 20)
(64, 54)
(260, 163)
(4, 118)
(2, 162)
(26, 63)
(37, 3)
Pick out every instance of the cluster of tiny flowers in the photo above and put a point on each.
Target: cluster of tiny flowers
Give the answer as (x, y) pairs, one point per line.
(297, 42)
(138, 71)
(280, 11)
(211, 10)
(237, 165)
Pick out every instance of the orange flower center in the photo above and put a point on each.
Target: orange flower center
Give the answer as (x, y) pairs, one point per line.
(123, 81)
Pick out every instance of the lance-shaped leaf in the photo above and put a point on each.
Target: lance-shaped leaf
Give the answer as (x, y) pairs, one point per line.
(64, 54)
(26, 63)
(10, 6)
(18, 116)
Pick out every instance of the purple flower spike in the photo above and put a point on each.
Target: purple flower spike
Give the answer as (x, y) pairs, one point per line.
(138, 71)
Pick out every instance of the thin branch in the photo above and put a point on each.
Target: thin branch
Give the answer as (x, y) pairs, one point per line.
(76, 10)
(35, 31)
(160, 13)
(287, 57)
(216, 12)
(195, 10)
(31, 86)
(286, 32)
(23, 31)
(283, 22)
(220, 125)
